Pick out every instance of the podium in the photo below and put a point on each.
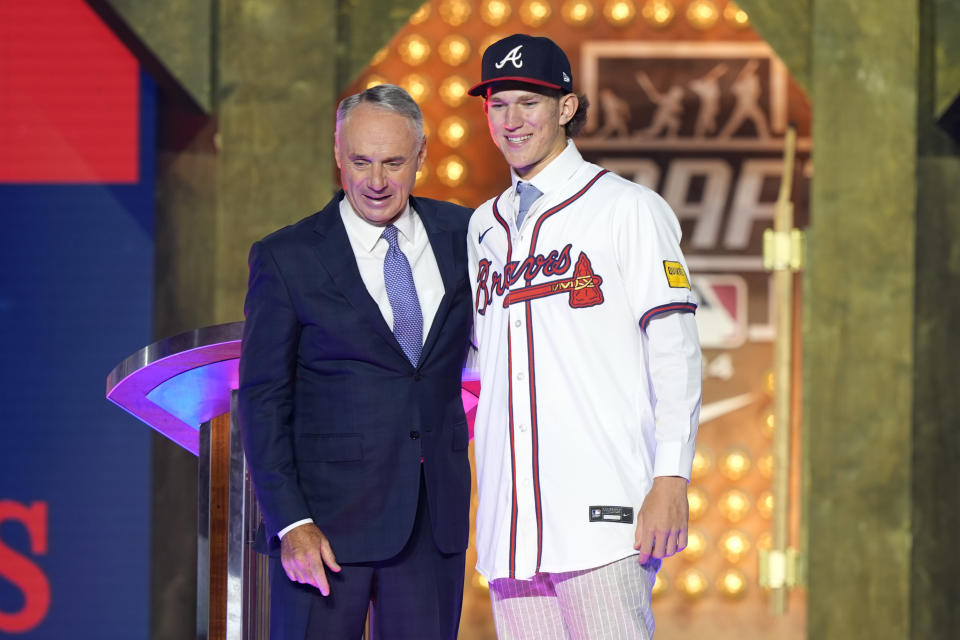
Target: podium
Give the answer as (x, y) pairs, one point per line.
(184, 387)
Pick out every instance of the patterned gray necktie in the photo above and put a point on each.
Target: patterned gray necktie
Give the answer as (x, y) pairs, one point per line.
(407, 317)
(528, 195)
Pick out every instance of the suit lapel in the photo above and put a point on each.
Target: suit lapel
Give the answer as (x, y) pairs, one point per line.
(442, 242)
(336, 254)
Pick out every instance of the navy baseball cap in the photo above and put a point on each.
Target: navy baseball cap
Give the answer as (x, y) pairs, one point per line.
(523, 58)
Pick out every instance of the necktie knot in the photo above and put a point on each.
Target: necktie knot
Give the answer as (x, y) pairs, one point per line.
(390, 235)
(528, 195)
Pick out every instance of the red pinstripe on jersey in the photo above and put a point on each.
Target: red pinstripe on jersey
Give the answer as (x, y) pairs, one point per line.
(513, 468)
(506, 229)
(513, 454)
(535, 443)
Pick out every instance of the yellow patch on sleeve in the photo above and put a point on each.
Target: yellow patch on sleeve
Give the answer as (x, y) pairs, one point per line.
(676, 276)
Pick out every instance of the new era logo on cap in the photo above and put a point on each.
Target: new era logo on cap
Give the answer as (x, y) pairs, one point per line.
(523, 58)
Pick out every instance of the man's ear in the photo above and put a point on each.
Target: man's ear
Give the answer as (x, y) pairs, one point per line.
(568, 107)
(336, 150)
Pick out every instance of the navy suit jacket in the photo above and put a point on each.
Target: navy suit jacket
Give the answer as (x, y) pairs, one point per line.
(334, 418)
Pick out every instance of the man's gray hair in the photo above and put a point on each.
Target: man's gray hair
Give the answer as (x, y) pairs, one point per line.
(385, 96)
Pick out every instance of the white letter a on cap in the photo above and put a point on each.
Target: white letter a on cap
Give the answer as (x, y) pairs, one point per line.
(513, 56)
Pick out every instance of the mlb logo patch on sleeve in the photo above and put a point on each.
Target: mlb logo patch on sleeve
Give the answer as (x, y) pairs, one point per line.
(676, 276)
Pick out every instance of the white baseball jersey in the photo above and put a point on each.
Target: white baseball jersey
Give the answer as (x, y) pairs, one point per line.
(569, 433)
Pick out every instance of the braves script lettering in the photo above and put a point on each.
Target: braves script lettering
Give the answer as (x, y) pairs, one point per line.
(584, 287)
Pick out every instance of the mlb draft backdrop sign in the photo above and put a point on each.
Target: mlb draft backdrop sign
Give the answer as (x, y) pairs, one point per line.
(703, 123)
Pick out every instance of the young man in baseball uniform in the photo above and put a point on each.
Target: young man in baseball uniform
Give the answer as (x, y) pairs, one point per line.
(589, 364)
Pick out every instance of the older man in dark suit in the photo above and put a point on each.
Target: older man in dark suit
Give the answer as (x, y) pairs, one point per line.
(357, 325)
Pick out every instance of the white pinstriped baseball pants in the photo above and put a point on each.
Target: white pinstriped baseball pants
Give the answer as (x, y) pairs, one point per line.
(611, 602)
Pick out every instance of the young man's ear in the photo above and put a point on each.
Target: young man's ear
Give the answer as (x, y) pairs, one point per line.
(568, 107)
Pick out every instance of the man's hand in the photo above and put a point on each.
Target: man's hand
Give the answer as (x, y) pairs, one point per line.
(662, 521)
(303, 552)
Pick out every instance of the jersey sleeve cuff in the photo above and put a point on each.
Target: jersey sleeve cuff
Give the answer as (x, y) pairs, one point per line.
(683, 307)
(673, 459)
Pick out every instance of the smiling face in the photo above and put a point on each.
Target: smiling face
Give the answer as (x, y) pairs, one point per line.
(528, 127)
(378, 153)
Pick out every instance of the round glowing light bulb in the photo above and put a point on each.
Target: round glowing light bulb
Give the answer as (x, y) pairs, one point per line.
(619, 12)
(769, 424)
(702, 14)
(696, 545)
(697, 501)
(379, 56)
(693, 583)
(453, 91)
(373, 80)
(765, 466)
(736, 16)
(658, 13)
(417, 86)
(769, 382)
(735, 464)
(734, 545)
(420, 15)
(454, 50)
(454, 12)
(495, 12)
(702, 461)
(732, 583)
(451, 171)
(734, 505)
(414, 49)
(765, 541)
(661, 584)
(453, 131)
(765, 504)
(577, 12)
(534, 13)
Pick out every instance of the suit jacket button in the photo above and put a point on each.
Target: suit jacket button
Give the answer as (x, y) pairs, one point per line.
(414, 435)
(417, 377)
